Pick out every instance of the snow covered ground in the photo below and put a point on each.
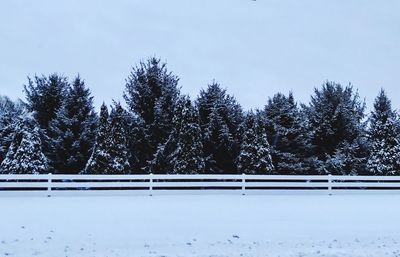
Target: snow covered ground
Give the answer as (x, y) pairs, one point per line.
(230, 225)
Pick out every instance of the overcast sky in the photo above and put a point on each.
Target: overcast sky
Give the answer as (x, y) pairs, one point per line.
(253, 48)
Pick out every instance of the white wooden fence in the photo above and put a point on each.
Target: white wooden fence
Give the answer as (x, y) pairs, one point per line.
(52, 185)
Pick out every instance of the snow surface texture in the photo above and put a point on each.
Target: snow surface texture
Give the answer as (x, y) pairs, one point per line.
(225, 226)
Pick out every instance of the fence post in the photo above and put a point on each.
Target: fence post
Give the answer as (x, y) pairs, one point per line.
(49, 185)
(151, 184)
(243, 183)
(329, 184)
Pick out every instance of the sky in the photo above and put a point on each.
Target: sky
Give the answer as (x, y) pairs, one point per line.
(254, 49)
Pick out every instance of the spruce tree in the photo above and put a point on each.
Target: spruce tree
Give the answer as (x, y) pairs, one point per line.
(287, 133)
(151, 92)
(10, 109)
(9, 117)
(73, 130)
(25, 154)
(101, 160)
(182, 153)
(137, 143)
(220, 119)
(384, 158)
(255, 156)
(118, 142)
(45, 96)
(110, 154)
(335, 119)
(349, 159)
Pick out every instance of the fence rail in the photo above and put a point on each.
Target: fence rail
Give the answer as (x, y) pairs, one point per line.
(53, 185)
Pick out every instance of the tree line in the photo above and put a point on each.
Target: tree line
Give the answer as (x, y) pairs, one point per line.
(159, 130)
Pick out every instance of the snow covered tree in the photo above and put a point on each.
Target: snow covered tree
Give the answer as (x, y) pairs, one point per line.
(100, 160)
(151, 92)
(182, 153)
(288, 135)
(118, 144)
(220, 119)
(73, 130)
(9, 116)
(10, 109)
(335, 119)
(110, 154)
(384, 157)
(45, 96)
(25, 154)
(255, 156)
(137, 143)
(349, 159)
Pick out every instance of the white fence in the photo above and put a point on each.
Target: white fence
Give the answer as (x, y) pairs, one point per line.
(49, 185)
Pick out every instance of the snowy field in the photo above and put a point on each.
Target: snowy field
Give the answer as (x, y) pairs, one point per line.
(228, 226)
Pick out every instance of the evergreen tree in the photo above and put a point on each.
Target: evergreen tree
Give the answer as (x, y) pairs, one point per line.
(349, 159)
(118, 144)
(9, 116)
(254, 157)
(137, 143)
(110, 154)
(151, 92)
(25, 154)
(73, 130)
(100, 160)
(45, 96)
(183, 151)
(220, 119)
(287, 132)
(384, 158)
(335, 119)
(10, 109)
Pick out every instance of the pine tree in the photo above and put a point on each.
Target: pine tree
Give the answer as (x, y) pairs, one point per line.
(118, 144)
(45, 96)
(151, 92)
(9, 116)
(384, 158)
(254, 157)
(101, 160)
(110, 154)
(220, 119)
(137, 143)
(349, 159)
(25, 154)
(335, 119)
(218, 145)
(183, 151)
(73, 130)
(287, 132)
(10, 109)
